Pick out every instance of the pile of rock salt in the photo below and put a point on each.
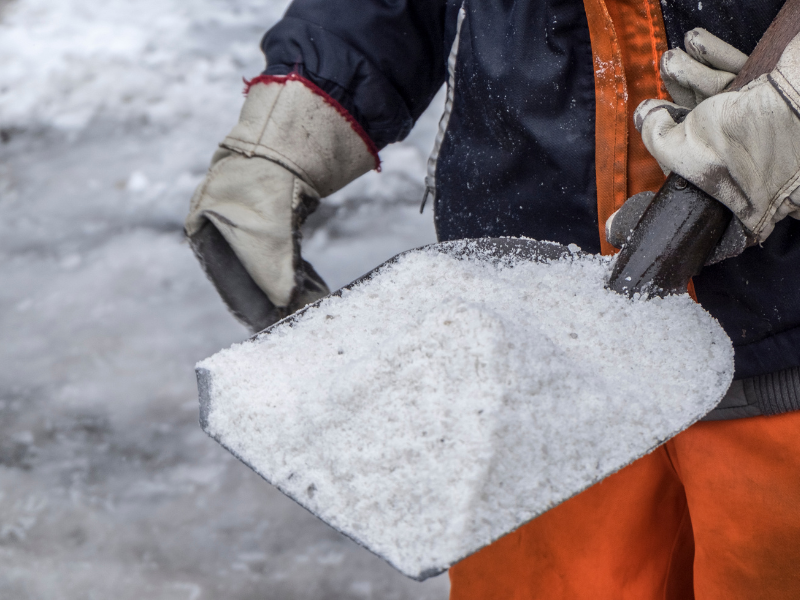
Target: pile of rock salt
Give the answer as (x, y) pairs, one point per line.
(446, 401)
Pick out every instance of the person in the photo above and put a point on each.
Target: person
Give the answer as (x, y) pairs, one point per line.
(538, 140)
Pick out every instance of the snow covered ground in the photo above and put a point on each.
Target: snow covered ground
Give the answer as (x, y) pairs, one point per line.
(109, 113)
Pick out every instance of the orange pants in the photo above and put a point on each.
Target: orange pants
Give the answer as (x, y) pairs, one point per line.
(712, 514)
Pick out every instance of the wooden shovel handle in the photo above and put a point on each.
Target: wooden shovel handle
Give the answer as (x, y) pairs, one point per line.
(683, 224)
(765, 57)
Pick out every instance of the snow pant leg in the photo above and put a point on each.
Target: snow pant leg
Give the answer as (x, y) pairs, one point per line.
(742, 481)
(627, 537)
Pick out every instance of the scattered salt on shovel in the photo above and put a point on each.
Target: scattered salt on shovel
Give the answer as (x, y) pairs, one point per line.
(457, 392)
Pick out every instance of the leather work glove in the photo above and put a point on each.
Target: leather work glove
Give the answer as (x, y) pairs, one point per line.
(742, 148)
(292, 146)
(705, 69)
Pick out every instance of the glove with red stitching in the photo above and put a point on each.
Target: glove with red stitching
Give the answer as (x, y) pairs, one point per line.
(292, 146)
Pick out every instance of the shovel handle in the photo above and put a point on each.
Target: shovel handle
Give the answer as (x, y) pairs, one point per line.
(683, 224)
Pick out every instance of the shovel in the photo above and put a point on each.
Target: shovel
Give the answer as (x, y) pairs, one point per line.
(429, 420)
(433, 523)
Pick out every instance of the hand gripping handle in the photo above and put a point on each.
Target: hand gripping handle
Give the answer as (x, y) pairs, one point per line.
(683, 224)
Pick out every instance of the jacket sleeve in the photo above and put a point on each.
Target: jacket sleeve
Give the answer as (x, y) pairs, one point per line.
(382, 60)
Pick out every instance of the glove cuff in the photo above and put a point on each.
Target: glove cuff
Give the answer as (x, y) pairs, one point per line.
(290, 121)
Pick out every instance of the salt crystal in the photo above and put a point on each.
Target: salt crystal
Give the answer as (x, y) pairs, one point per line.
(446, 400)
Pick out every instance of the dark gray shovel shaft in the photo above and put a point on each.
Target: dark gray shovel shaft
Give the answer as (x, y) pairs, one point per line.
(672, 241)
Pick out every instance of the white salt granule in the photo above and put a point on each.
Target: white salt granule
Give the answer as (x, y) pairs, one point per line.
(446, 401)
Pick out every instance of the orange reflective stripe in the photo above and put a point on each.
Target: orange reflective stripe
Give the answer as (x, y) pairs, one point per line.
(611, 117)
(640, 31)
(628, 39)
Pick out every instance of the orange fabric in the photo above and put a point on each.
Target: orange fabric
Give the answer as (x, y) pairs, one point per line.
(690, 289)
(612, 542)
(723, 497)
(611, 118)
(742, 481)
(628, 39)
(642, 39)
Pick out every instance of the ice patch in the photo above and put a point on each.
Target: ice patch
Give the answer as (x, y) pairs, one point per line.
(446, 400)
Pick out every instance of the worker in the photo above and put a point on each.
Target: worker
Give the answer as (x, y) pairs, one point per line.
(540, 138)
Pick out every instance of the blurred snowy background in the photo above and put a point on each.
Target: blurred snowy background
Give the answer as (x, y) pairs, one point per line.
(109, 113)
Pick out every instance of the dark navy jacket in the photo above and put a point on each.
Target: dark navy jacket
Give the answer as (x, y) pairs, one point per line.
(519, 155)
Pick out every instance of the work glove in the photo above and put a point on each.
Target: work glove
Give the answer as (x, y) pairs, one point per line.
(292, 146)
(705, 69)
(742, 148)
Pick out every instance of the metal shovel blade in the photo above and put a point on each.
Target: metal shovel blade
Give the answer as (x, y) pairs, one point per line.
(462, 478)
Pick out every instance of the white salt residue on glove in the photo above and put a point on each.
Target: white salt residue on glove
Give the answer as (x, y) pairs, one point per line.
(742, 148)
(706, 67)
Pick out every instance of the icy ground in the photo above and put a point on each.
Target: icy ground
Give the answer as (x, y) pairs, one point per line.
(109, 113)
